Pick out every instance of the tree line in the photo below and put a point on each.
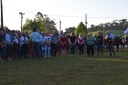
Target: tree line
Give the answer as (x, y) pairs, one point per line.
(45, 24)
(114, 25)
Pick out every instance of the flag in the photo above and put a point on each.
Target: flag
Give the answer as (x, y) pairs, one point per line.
(126, 31)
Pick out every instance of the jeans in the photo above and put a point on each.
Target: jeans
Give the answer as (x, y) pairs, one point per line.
(111, 49)
(47, 51)
(40, 50)
(72, 49)
(90, 50)
(37, 48)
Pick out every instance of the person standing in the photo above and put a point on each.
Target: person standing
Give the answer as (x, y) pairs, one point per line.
(9, 43)
(110, 39)
(63, 44)
(81, 44)
(24, 45)
(54, 42)
(2, 46)
(41, 42)
(47, 47)
(116, 42)
(34, 36)
(126, 41)
(72, 42)
(90, 41)
(99, 43)
(15, 46)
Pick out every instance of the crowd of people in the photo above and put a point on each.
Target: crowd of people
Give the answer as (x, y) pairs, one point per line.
(16, 44)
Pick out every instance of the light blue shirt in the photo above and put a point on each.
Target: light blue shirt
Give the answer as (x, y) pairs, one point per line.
(15, 40)
(22, 40)
(41, 38)
(54, 38)
(8, 39)
(34, 36)
(109, 36)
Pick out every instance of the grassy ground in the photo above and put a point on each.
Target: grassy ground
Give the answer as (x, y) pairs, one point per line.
(77, 70)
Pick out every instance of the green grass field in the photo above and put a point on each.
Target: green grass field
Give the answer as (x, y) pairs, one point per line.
(77, 70)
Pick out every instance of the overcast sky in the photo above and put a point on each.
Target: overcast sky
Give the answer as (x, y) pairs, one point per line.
(70, 12)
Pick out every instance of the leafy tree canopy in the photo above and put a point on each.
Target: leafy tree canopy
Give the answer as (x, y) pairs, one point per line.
(81, 29)
(41, 21)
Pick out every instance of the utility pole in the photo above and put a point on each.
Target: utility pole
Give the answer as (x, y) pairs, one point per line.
(60, 26)
(21, 13)
(86, 22)
(1, 14)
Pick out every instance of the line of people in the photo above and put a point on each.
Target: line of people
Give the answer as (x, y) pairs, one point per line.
(14, 44)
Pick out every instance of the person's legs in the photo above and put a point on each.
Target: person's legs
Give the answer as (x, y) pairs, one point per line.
(92, 49)
(88, 50)
(52, 49)
(45, 51)
(110, 49)
(113, 51)
(32, 49)
(55, 50)
(9, 52)
(37, 49)
(79, 47)
(40, 50)
(49, 51)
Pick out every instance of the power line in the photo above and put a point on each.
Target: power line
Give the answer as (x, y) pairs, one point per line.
(108, 17)
(68, 16)
(6, 7)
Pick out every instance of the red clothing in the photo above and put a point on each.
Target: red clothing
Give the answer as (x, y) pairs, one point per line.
(63, 42)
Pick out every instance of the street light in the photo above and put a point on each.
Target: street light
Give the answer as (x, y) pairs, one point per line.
(21, 13)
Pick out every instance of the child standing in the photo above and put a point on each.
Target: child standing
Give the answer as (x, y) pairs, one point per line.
(47, 40)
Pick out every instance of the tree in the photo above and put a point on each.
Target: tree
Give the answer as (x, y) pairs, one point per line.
(49, 24)
(81, 29)
(70, 30)
(42, 22)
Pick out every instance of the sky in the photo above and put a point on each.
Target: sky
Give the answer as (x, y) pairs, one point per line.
(69, 12)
